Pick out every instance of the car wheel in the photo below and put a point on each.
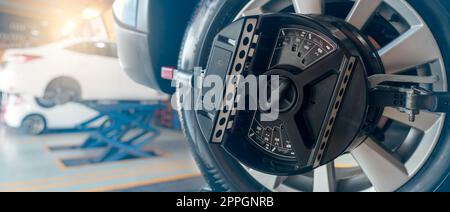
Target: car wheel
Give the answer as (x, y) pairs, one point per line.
(61, 91)
(399, 156)
(34, 124)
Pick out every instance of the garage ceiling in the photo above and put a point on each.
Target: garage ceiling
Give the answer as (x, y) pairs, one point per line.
(49, 9)
(31, 22)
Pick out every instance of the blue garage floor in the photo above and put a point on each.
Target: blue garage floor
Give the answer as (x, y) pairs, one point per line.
(187, 185)
(28, 164)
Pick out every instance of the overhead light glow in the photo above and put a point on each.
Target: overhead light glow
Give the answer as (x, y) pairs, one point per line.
(100, 45)
(90, 13)
(71, 24)
(68, 28)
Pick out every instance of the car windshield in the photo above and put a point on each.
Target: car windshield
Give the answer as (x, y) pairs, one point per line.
(95, 48)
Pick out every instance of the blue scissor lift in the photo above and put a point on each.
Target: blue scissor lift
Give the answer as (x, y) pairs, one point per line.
(125, 130)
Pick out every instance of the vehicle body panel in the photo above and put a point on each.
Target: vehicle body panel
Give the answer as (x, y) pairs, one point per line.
(153, 40)
(66, 116)
(100, 77)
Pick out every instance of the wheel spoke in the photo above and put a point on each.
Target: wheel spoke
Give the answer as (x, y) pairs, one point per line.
(325, 178)
(306, 7)
(256, 8)
(414, 48)
(378, 79)
(255, 11)
(423, 122)
(302, 152)
(362, 11)
(272, 182)
(385, 172)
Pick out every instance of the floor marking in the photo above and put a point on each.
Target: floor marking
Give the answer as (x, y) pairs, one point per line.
(142, 165)
(143, 183)
(91, 180)
(59, 161)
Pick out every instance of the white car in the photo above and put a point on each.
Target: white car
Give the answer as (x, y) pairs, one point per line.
(25, 112)
(70, 70)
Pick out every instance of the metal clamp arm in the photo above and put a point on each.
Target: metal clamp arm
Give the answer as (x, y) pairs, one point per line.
(410, 101)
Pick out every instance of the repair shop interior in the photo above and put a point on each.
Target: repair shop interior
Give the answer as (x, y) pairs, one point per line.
(224, 95)
(72, 120)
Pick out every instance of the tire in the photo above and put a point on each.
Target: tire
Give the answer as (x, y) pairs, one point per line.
(61, 91)
(34, 124)
(435, 173)
(221, 171)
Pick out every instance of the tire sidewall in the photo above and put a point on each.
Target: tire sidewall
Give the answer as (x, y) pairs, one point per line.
(435, 172)
(41, 117)
(211, 16)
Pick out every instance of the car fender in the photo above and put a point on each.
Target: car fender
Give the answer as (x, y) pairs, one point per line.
(154, 40)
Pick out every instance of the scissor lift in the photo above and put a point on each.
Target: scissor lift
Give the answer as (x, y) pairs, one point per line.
(125, 131)
(168, 117)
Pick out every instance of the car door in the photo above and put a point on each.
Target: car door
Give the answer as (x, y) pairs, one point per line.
(97, 72)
